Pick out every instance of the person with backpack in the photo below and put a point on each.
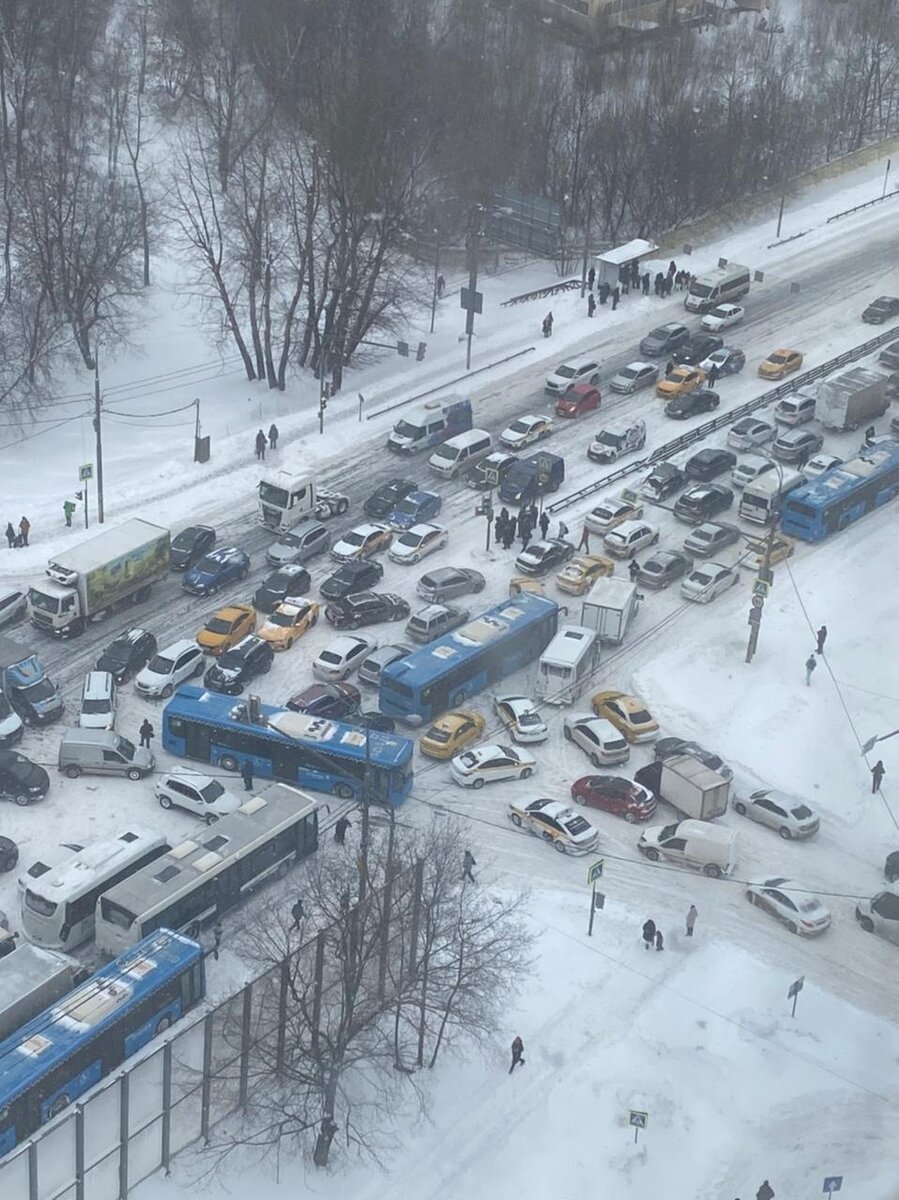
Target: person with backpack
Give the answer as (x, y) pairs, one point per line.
(517, 1054)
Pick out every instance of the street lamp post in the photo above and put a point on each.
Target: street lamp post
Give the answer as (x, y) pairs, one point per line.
(765, 577)
(436, 278)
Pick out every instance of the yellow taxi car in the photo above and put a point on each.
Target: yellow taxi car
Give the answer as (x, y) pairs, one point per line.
(682, 379)
(582, 572)
(628, 714)
(522, 583)
(226, 628)
(450, 733)
(781, 548)
(289, 621)
(780, 363)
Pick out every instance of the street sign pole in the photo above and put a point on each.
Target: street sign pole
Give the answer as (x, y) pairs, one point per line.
(795, 989)
(832, 1183)
(639, 1120)
(597, 899)
(85, 473)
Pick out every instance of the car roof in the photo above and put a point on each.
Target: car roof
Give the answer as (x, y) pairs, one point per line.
(424, 527)
(366, 528)
(232, 611)
(343, 644)
(581, 360)
(176, 648)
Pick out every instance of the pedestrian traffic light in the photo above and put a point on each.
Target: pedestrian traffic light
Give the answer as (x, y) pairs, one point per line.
(421, 351)
(402, 349)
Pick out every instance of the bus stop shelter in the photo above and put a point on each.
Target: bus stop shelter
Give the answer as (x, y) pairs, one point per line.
(609, 264)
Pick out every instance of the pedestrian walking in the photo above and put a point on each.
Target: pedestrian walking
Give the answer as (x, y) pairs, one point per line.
(24, 530)
(692, 914)
(591, 305)
(499, 528)
(647, 279)
(517, 1054)
(467, 863)
(633, 569)
(548, 325)
(660, 941)
(603, 292)
(821, 635)
(712, 377)
(441, 287)
(616, 296)
(509, 532)
(765, 1192)
(810, 663)
(877, 773)
(649, 933)
(563, 530)
(68, 509)
(261, 443)
(246, 774)
(625, 283)
(273, 436)
(544, 524)
(669, 367)
(217, 932)
(147, 733)
(296, 912)
(591, 278)
(870, 435)
(584, 543)
(343, 824)
(635, 274)
(672, 268)
(10, 534)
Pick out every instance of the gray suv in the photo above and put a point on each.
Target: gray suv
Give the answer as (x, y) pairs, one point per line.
(445, 583)
(302, 543)
(435, 620)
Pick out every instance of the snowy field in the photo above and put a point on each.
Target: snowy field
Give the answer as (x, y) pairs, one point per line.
(699, 1036)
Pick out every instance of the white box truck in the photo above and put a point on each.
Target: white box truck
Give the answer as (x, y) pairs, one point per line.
(609, 608)
(689, 786)
(851, 399)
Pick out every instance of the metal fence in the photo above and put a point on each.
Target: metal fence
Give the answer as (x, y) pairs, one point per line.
(139, 1119)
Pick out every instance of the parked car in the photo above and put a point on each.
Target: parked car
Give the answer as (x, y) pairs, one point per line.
(749, 432)
(544, 556)
(628, 538)
(749, 468)
(239, 666)
(352, 577)
(340, 657)
(21, 780)
(385, 499)
(790, 904)
(189, 546)
(556, 823)
(9, 854)
(445, 583)
(671, 747)
(702, 502)
(414, 509)
(575, 370)
(615, 794)
(370, 670)
(362, 542)
(790, 816)
(289, 622)
(880, 915)
(780, 363)
(335, 701)
(707, 581)
(98, 701)
(582, 572)
(127, 653)
(690, 404)
(434, 620)
(215, 570)
(226, 628)
(710, 537)
(290, 580)
(884, 308)
(175, 664)
(722, 316)
(608, 445)
(664, 339)
(796, 445)
(13, 606)
(762, 550)
(663, 567)
(450, 733)
(709, 464)
(682, 379)
(490, 471)
(820, 464)
(726, 360)
(416, 543)
(628, 714)
(634, 377)
(612, 511)
(303, 542)
(603, 744)
(366, 608)
(580, 399)
(525, 431)
(199, 794)
(889, 356)
(521, 718)
(663, 481)
(697, 347)
(491, 763)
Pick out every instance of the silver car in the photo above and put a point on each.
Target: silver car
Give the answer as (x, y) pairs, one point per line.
(710, 537)
(749, 432)
(880, 914)
(445, 583)
(634, 377)
(371, 668)
(303, 542)
(706, 582)
(598, 738)
(796, 445)
(790, 904)
(789, 815)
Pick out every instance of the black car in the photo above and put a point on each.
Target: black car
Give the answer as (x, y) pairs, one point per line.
(189, 546)
(387, 497)
(366, 608)
(127, 654)
(337, 701)
(290, 580)
(708, 464)
(663, 567)
(237, 666)
(662, 481)
(9, 854)
(377, 721)
(21, 779)
(668, 747)
(664, 340)
(700, 346)
(880, 310)
(352, 577)
(703, 502)
(690, 403)
(544, 556)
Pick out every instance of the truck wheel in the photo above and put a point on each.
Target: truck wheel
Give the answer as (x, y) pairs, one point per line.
(652, 854)
(134, 774)
(72, 771)
(142, 595)
(344, 791)
(712, 870)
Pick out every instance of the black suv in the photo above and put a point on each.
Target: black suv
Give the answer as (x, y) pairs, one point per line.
(700, 346)
(190, 545)
(387, 497)
(127, 654)
(708, 463)
(366, 608)
(290, 580)
(881, 309)
(351, 577)
(663, 481)
(240, 664)
(702, 502)
(21, 779)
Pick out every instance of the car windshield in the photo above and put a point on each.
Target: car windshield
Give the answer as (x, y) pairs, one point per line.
(702, 535)
(700, 289)
(185, 540)
(653, 568)
(35, 692)
(809, 906)
(565, 372)
(289, 539)
(404, 429)
(160, 665)
(629, 373)
(96, 706)
(46, 908)
(700, 577)
(212, 791)
(778, 358)
(520, 426)
(469, 759)
(606, 438)
(218, 625)
(125, 748)
(284, 620)
(408, 506)
(118, 652)
(209, 564)
(640, 717)
(38, 600)
(272, 494)
(659, 334)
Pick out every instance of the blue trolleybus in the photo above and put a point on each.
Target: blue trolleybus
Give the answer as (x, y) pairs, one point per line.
(844, 494)
(69, 1047)
(441, 675)
(311, 752)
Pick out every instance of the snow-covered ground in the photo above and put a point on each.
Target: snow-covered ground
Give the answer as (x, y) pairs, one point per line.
(699, 1036)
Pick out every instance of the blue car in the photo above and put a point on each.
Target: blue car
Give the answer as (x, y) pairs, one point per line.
(215, 570)
(414, 509)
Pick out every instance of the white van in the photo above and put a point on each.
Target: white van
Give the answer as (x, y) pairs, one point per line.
(795, 409)
(696, 844)
(723, 285)
(762, 497)
(565, 663)
(461, 451)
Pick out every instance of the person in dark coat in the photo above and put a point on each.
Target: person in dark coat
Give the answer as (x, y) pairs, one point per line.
(821, 635)
(343, 824)
(296, 912)
(635, 274)
(646, 280)
(499, 528)
(246, 774)
(548, 325)
(672, 268)
(712, 377)
(603, 292)
(669, 367)
(273, 436)
(441, 287)
(877, 773)
(10, 534)
(657, 283)
(591, 305)
(591, 278)
(584, 543)
(147, 733)
(525, 530)
(633, 569)
(649, 933)
(616, 296)
(692, 914)
(509, 532)
(810, 664)
(261, 443)
(24, 530)
(544, 524)
(765, 1192)
(217, 932)
(517, 1054)
(68, 509)
(467, 863)
(660, 942)
(624, 282)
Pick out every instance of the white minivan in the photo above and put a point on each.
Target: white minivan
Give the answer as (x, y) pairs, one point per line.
(698, 844)
(461, 451)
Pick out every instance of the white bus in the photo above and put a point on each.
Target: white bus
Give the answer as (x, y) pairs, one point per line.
(763, 496)
(566, 661)
(202, 878)
(723, 285)
(58, 906)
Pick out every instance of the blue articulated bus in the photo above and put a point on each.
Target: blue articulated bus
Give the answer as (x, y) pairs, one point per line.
(69, 1047)
(310, 752)
(843, 495)
(442, 674)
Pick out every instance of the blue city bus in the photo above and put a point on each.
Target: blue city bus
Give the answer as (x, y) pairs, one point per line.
(310, 752)
(843, 495)
(72, 1045)
(442, 674)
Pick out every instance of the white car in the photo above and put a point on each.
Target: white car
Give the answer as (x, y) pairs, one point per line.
(820, 464)
(633, 377)
(612, 511)
(790, 904)
(789, 815)
(750, 468)
(362, 542)
(598, 738)
(525, 431)
(521, 718)
(722, 316)
(12, 605)
(610, 444)
(567, 374)
(557, 823)
(199, 794)
(707, 581)
(417, 542)
(341, 657)
(169, 667)
(98, 701)
(749, 432)
(487, 764)
(880, 914)
(626, 539)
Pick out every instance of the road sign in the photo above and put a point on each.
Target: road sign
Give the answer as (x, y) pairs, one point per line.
(755, 616)
(758, 601)
(472, 302)
(599, 899)
(594, 871)
(637, 1118)
(760, 588)
(832, 1183)
(796, 987)
(86, 472)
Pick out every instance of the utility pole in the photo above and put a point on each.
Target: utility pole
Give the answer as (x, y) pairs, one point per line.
(586, 245)
(436, 277)
(760, 589)
(98, 432)
(886, 176)
(472, 301)
(780, 215)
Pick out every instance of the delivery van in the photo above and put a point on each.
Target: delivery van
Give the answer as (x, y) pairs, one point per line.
(430, 424)
(695, 844)
(102, 752)
(724, 285)
(461, 451)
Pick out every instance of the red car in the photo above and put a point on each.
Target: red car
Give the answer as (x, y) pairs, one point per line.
(613, 794)
(581, 398)
(334, 700)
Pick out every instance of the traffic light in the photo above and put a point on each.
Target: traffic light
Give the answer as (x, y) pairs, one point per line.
(420, 352)
(402, 349)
